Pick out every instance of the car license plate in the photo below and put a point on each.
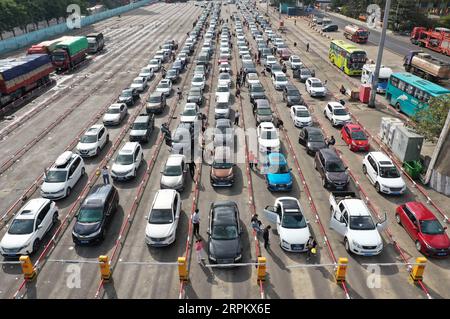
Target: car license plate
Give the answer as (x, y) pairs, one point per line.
(368, 254)
(441, 254)
(84, 241)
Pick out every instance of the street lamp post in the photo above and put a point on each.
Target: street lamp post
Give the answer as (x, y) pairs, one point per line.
(373, 91)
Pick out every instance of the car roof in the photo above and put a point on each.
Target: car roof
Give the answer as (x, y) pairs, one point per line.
(163, 198)
(129, 147)
(316, 80)
(94, 129)
(381, 157)
(277, 158)
(97, 195)
(420, 210)
(330, 154)
(267, 126)
(336, 105)
(141, 119)
(31, 208)
(313, 130)
(356, 207)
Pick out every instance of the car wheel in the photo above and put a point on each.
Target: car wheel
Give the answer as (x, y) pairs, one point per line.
(35, 245)
(347, 245)
(68, 191)
(397, 218)
(364, 169)
(377, 187)
(418, 246)
(55, 218)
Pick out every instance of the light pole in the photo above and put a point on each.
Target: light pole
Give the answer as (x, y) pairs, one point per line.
(373, 91)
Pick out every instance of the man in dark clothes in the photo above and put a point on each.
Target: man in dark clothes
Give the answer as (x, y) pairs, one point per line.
(266, 236)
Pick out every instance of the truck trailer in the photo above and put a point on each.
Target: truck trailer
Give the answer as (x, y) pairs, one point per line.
(424, 65)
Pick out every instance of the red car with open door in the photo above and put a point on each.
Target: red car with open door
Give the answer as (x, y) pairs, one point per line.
(354, 136)
(424, 228)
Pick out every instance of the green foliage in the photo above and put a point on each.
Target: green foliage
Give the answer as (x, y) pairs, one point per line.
(430, 121)
(405, 14)
(444, 21)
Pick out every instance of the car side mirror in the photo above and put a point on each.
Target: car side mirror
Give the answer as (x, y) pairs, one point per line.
(445, 227)
(40, 226)
(208, 233)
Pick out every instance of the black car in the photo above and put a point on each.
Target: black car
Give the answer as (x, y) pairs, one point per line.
(303, 74)
(292, 96)
(256, 92)
(331, 169)
(128, 96)
(249, 67)
(330, 28)
(195, 95)
(173, 75)
(312, 138)
(95, 214)
(142, 128)
(224, 233)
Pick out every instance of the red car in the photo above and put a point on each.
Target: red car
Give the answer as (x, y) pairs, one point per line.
(424, 228)
(354, 136)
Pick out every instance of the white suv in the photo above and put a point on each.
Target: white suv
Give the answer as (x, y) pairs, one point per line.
(268, 139)
(163, 218)
(28, 227)
(336, 113)
(93, 140)
(61, 178)
(383, 174)
(279, 80)
(127, 162)
(173, 174)
(315, 87)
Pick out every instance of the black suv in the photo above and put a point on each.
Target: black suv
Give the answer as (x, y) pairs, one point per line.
(292, 96)
(142, 128)
(331, 169)
(312, 138)
(95, 214)
(173, 75)
(128, 96)
(256, 92)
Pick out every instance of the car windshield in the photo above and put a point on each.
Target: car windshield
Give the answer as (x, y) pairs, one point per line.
(172, 170)
(361, 223)
(222, 164)
(295, 60)
(124, 159)
(281, 78)
(293, 220)
(90, 215)
(163, 86)
(264, 111)
(189, 112)
(316, 85)
(171, 73)
(359, 136)
(88, 139)
(257, 89)
(224, 76)
(154, 61)
(223, 89)
(340, 112)
(161, 216)
(315, 137)
(138, 81)
(269, 135)
(55, 176)
(114, 110)
(335, 167)
(302, 113)
(21, 227)
(389, 172)
(293, 93)
(154, 99)
(278, 169)
(139, 126)
(221, 106)
(197, 80)
(224, 232)
(126, 93)
(431, 227)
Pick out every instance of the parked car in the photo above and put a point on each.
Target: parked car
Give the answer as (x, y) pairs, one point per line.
(93, 140)
(173, 75)
(163, 218)
(146, 72)
(331, 169)
(129, 96)
(222, 167)
(294, 62)
(291, 95)
(164, 87)
(223, 92)
(142, 128)
(279, 80)
(336, 113)
(224, 233)
(277, 174)
(256, 92)
(303, 73)
(383, 174)
(354, 136)
(155, 65)
(95, 214)
(190, 113)
(26, 230)
(156, 103)
(300, 116)
(252, 78)
(224, 79)
(199, 81)
(330, 28)
(62, 176)
(424, 228)
(263, 112)
(127, 162)
(115, 114)
(173, 175)
(315, 87)
(195, 95)
(222, 108)
(268, 139)
(223, 133)
(312, 138)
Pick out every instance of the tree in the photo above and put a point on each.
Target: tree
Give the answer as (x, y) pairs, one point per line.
(430, 121)
(405, 14)
(444, 21)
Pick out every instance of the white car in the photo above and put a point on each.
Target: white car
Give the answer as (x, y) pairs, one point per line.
(173, 174)
(183, 57)
(224, 79)
(270, 59)
(336, 113)
(161, 56)
(127, 162)
(252, 78)
(62, 176)
(115, 114)
(225, 52)
(223, 92)
(383, 174)
(315, 87)
(268, 139)
(352, 220)
(163, 218)
(139, 83)
(164, 87)
(199, 81)
(225, 67)
(279, 80)
(247, 58)
(147, 73)
(28, 227)
(300, 116)
(155, 64)
(294, 62)
(190, 113)
(93, 140)
(292, 226)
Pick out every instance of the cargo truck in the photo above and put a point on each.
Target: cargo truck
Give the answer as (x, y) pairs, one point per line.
(437, 39)
(69, 52)
(46, 47)
(424, 65)
(96, 42)
(19, 76)
(356, 33)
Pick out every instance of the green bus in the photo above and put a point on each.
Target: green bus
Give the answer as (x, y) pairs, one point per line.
(347, 57)
(409, 93)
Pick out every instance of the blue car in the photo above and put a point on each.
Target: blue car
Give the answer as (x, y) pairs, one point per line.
(277, 173)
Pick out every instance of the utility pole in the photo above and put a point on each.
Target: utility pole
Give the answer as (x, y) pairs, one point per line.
(373, 91)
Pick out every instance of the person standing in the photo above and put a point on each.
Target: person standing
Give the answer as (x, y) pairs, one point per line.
(307, 47)
(192, 167)
(105, 175)
(238, 92)
(311, 244)
(250, 159)
(236, 117)
(331, 141)
(199, 250)
(266, 236)
(196, 223)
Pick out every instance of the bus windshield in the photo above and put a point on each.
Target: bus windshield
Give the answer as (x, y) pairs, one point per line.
(358, 56)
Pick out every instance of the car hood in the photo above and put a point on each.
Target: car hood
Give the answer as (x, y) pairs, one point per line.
(392, 182)
(138, 132)
(318, 90)
(436, 241)
(295, 235)
(303, 119)
(111, 117)
(86, 146)
(136, 86)
(188, 118)
(10, 241)
(337, 176)
(294, 98)
(279, 178)
(365, 237)
(52, 187)
(85, 229)
(119, 168)
(171, 181)
(159, 230)
(162, 89)
(270, 143)
(316, 145)
(224, 249)
(221, 172)
(342, 117)
(124, 98)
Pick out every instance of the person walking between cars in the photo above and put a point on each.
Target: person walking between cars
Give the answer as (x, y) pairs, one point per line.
(238, 92)
(311, 245)
(307, 47)
(180, 94)
(256, 224)
(105, 175)
(199, 250)
(196, 223)
(266, 236)
(331, 141)
(192, 167)
(236, 118)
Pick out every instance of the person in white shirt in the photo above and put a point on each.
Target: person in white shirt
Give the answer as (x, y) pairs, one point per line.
(196, 223)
